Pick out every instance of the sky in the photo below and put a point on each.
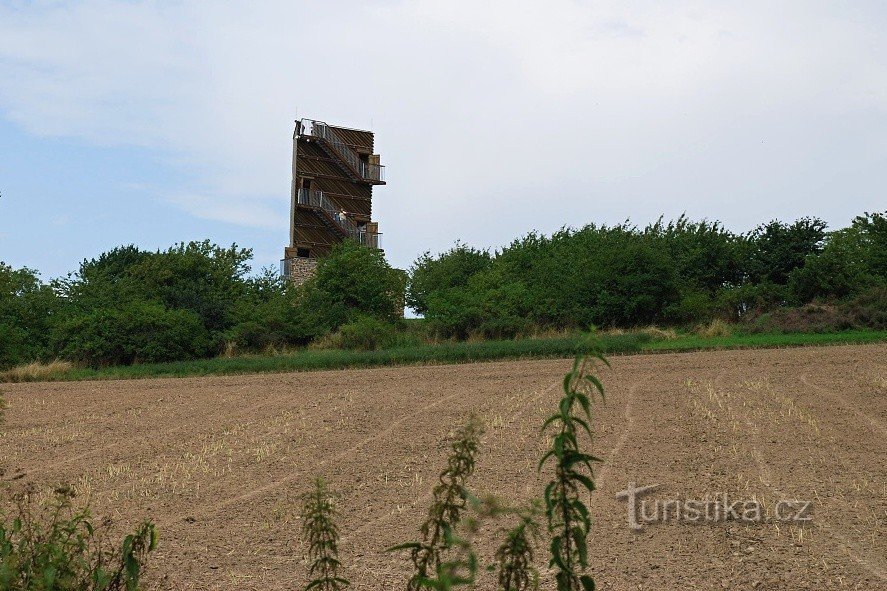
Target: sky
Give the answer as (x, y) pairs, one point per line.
(151, 123)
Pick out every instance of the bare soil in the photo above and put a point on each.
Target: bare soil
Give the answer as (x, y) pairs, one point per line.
(218, 463)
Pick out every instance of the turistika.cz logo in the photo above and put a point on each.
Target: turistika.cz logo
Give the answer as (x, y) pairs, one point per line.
(715, 508)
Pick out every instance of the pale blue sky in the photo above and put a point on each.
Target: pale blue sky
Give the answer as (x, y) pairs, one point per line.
(155, 122)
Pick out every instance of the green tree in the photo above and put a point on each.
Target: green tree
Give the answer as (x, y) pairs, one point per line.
(201, 277)
(873, 228)
(852, 260)
(135, 332)
(776, 249)
(352, 281)
(449, 270)
(706, 255)
(29, 309)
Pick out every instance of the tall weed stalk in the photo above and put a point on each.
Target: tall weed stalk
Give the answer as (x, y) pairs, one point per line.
(320, 531)
(450, 500)
(567, 514)
(515, 556)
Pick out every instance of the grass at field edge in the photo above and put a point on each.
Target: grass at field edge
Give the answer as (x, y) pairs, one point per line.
(465, 352)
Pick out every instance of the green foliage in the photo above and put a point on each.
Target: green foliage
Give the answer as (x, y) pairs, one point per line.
(851, 261)
(776, 249)
(447, 271)
(693, 305)
(130, 306)
(320, 532)
(28, 310)
(873, 227)
(749, 300)
(514, 557)
(749, 340)
(459, 569)
(352, 282)
(450, 500)
(135, 332)
(869, 308)
(355, 279)
(681, 272)
(197, 276)
(408, 353)
(706, 256)
(266, 315)
(366, 333)
(597, 275)
(200, 277)
(57, 548)
(568, 518)
(637, 284)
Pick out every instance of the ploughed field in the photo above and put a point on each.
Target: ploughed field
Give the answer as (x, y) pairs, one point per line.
(218, 463)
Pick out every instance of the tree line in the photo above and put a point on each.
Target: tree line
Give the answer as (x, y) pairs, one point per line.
(197, 300)
(190, 301)
(673, 273)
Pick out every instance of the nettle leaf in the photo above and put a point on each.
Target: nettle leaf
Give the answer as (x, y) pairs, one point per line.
(549, 421)
(565, 409)
(586, 404)
(581, 546)
(547, 455)
(556, 555)
(582, 510)
(596, 382)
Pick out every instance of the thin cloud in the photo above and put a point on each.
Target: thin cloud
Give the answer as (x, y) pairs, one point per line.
(251, 213)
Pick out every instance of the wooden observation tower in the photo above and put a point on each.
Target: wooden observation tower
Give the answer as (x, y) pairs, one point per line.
(334, 171)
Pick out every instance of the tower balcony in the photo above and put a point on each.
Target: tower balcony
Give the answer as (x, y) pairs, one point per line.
(359, 233)
(361, 170)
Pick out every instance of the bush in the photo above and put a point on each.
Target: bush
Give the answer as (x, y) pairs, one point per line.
(448, 270)
(638, 282)
(776, 249)
(366, 333)
(57, 548)
(810, 318)
(355, 279)
(750, 300)
(266, 314)
(28, 311)
(869, 309)
(692, 306)
(138, 332)
(254, 336)
(454, 313)
(201, 277)
(504, 327)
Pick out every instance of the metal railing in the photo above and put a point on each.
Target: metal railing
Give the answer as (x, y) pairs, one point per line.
(286, 268)
(358, 233)
(366, 171)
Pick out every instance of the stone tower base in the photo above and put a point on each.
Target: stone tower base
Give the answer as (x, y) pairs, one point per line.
(300, 269)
